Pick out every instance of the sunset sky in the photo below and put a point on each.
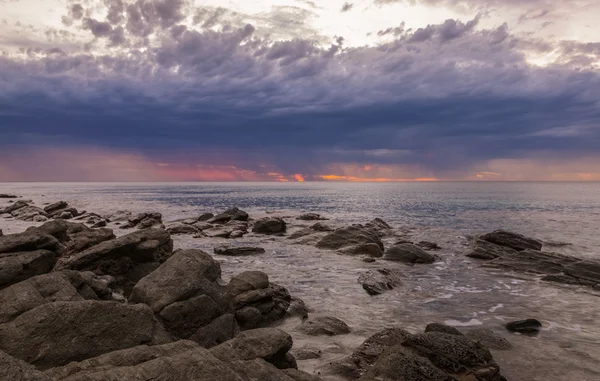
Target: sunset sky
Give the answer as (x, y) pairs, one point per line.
(294, 90)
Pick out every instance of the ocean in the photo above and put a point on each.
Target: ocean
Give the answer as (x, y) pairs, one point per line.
(455, 290)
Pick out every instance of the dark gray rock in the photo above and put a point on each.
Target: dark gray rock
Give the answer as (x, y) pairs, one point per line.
(298, 375)
(87, 238)
(513, 240)
(13, 369)
(380, 227)
(269, 225)
(252, 289)
(321, 227)
(56, 206)
(349, 236)
(533, 261)
(409, 254)
(16, 267)
(310, 217)
(13, 207)
(488, 251)
(29, 241)
(118, 216)
(144, 221)
(443, 328)
(307, 353)
(324, 325)
(182, 229)
(527, 326)
(370, 249)
(205, 217)
(378, 281)
(426, 245)
(488, 338)
(76, 332)
(216, 332)
(4, 195)
(584, 270)
(238, 251)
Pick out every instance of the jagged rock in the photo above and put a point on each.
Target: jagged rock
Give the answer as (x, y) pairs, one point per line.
(487, 250)
(87, 238)
(310, 217)
(378, 281)
(144, 221)
(238, 251)
(269, 344)
(184, 292)
(443, 328)
(102, 285)
(56, 206)
(527, 326)
(28, 213)
(269, 225)
(127, 258)
(370, 249)
(584, 270)
(380, 227)
(488, 338)
(182, 229)
(363, 358)
(13, 369)
(120, 215)
(76, 332)
(349, 236)
(29, 241)
(324, 325)
(408, 253)
(426, 245)
(398, 364)
(16, 267)
(13, 207)
(513, 240)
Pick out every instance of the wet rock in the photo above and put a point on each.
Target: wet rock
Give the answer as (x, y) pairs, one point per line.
(182, 229)
(269, 225)
(513, 240)
(380, 227)
(310, 217)
(426, 245)
(184, 292)
(488, 338)
(527, 326)
(307, 353)
(143, 221)
(488, 251)
(349, 236)
(238, 251)
(56, 206)
(76, 332)
(378, 281)
(297, 308)
(324, 325)
(16, 267)
(205, 217)
(533, 261)
(13, 369)
(443, 328)
(408, 253)
(370, 249)
(4, 195)
(584, 270)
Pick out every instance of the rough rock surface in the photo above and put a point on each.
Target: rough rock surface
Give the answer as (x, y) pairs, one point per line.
(513, 240)
(76, 332)
(13, 369)
(324, 325)
(409, 254)
(269, 225)
(29, 241)
(442, 328)
(370, 249)
(310, 217)
(182, 229)
(238, 251)
(378, 281)
(527, 326)
(16, 267)
(143, 221)
(487, 250)
(488, 338)
(349, 236)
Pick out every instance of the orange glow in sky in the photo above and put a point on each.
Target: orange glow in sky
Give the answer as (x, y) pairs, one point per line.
(369, 179)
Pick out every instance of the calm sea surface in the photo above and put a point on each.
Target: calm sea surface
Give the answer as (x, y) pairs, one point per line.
(455, 290)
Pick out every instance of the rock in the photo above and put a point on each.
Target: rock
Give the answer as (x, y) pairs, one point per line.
(1, 233)
(238, 215)
(301, 233)
(297, 308)
(487, 250)
(127, 258)
(16, 267)
(270, 344)
(4, 195)
(87, 238)
(29, 241)
(269, 225)
(182, 229)
(13, 207)
(426, 245)
(220, 219)
(324, 325)
(488, 338)
(272, 300)
(398, 364)
(220, 232)
(365, 356)
(380, 227)
(218, 331)
(453, 353)
(28, 213)
(443, 328)
(184, 292)
(121, 215)
(13, 369)
(238, 251)
(512, 240)
(56, 206)
(233, 214)
(236, 234)
(378, 281)
(533, 261)
(102, 285)
(205, 217)
(321, 227)
(248, 317)
(201, 225)
(76, 332)
(370, 249)
(349, 236)
(307, 353)
(584, 270)
(310, 217)
(40, 218)
(408, 253)
(247, 281)
(144, 221)
(527, 326)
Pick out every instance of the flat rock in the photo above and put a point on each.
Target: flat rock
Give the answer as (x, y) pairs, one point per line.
(76, 332)
(584, 270)
(310, 217)
(29, 241)
(4, 195)
(378, 281)
(513, 240)
(56, 206)
(349, 236)
(409, 254)
(16, 267)
(487, 250)
(324, 325)
(182, 229)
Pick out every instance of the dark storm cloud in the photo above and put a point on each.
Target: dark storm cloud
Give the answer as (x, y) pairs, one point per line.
(443, 96)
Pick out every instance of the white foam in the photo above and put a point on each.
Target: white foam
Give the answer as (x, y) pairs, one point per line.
(456, 323)
(497, 306)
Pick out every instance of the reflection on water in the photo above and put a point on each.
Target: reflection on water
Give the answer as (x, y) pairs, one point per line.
(455, 290)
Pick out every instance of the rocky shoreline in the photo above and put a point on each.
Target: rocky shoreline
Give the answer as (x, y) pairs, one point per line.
(79, 302)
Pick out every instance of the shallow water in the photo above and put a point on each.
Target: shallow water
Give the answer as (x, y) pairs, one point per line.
(455, 290)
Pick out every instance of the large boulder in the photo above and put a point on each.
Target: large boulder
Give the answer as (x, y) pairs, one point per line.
(380, 227)
(54, 334)
(87, 238)
(29, 241)
(16, 267)
(513, 240)
(324, 325)
(409, 254)
(269, 225)
(399, 364)
(185, 293)
(488, 338)
(349, 236)
(127, 258)
(13, 369)
(378, 281)
(533, 261)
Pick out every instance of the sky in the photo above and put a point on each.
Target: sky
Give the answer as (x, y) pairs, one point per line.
(299, 90)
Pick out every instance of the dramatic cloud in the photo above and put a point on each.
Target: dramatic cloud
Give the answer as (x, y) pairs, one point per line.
(178, 91)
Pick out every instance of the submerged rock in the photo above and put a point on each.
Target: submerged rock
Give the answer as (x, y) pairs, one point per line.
(310, 217)
(324, 325)
(378, 281)
(408, 253)
(527, 326)
(443, 328)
